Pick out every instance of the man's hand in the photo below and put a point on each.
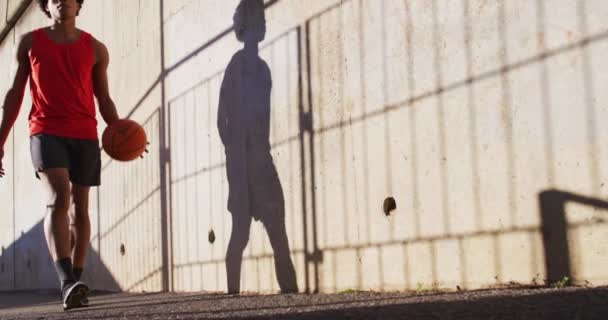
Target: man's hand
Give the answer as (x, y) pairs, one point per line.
(1, 167)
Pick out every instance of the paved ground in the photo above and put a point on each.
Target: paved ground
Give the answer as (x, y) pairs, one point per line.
(521, 303)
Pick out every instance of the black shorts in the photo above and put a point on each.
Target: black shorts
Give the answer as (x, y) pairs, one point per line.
(81, 157)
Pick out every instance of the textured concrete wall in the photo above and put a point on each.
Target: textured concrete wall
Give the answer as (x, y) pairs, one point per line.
(481, 118)
(3, 12)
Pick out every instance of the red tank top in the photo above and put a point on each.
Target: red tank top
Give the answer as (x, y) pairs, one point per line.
(61, 85)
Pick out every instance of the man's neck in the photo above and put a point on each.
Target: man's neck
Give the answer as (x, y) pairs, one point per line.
(65, 29)
(251, 48)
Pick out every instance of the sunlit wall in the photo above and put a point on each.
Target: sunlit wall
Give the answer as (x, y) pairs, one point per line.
(466, 112)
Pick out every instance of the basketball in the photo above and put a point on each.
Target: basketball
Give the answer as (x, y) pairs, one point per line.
(124, 140)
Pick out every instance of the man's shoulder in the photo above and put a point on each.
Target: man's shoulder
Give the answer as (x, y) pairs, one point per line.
(28, 37)
(25, 41)
(97, 44)
(100, 49)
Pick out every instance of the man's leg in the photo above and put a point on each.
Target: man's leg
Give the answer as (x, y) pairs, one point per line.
(56, 183)
(57, 232)
(277, 233)
(81, 227)
(241, 224)
(72, 228)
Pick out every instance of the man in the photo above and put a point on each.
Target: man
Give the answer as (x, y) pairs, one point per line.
(66, 68)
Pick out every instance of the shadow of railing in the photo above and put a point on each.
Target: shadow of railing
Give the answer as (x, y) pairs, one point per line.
(311, 143)
(167, 70)
(555, 230)
(328, 96)
(311, 157)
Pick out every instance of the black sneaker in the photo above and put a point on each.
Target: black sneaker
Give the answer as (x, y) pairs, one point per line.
(74, 294)
(84, 302)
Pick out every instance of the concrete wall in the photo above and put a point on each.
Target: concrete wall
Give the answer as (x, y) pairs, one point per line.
(481, 118)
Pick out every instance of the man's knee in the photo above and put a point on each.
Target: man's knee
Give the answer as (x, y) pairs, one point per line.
(238, 241)
(59, 204)
(81, 212)
(79, 219)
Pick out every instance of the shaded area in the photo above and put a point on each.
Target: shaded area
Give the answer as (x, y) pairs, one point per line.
(552, 205)
(38, 298)
(199, 178)
(581, 303)
(166, 149)
(243, 122)
(34, 268)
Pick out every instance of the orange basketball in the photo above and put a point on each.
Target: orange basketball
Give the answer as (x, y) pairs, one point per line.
(124, 140)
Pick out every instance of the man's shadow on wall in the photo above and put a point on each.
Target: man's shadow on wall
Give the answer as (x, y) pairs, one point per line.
(243, 122)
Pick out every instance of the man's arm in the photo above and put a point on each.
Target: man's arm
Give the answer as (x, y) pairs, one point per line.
(20, 72)
(100, 83)
(223, 120)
